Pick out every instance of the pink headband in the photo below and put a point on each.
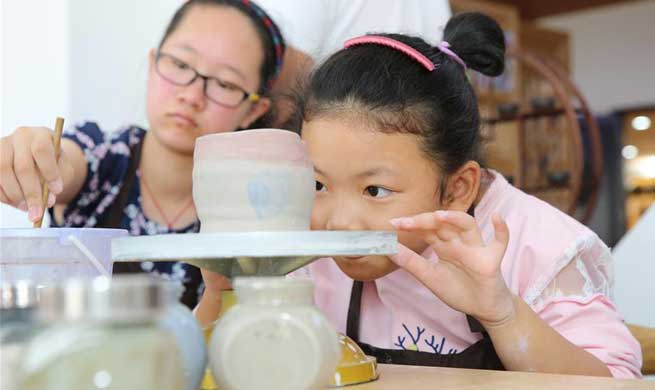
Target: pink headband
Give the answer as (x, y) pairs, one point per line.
(442, 46)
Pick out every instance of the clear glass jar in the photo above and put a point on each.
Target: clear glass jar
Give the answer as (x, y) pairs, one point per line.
(181, 322)
(17, 326)
(274, 337)
(103, 334)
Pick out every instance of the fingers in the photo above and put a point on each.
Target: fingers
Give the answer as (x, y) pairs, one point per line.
(28, 178)
(28, 157)
(21, 205)
(442, 224)
(424, 221)
(436, 219)
(52, 199)
(11, 193)
(43, 152)
(422, 269)
(501, 233)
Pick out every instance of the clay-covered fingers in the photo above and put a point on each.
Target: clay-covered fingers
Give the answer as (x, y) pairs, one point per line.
(28, 160)
(43, 152)
(501, 233)
(424, 270)
(434, 220)
(11, 193)
(27, 142)
(447, 225)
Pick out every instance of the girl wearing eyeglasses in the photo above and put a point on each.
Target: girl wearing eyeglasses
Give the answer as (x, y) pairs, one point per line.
(211, 73)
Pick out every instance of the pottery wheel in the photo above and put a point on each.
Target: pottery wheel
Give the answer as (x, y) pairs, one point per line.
(253, 253)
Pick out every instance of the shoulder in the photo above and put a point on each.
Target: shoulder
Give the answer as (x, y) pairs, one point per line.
(530, 216)
(543, 239)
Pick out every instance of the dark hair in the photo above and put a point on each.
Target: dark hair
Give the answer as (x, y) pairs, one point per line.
(267, 30)
(398, 94)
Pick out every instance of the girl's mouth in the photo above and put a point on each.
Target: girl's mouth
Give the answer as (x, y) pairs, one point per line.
(184, 120)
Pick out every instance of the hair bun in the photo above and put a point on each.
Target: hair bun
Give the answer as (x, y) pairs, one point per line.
(478, 40)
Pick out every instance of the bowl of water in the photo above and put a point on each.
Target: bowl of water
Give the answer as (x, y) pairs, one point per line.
(48, 256)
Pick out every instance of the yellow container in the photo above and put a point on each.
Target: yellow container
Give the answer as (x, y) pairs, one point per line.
(354, 367)
(228, 300)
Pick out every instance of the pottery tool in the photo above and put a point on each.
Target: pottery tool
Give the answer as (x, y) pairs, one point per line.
(59, 127)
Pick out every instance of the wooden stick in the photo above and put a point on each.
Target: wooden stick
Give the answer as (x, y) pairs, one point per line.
(56, 139)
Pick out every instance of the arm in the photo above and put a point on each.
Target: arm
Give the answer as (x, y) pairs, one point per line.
(467, 277)
(209, 307)
(524, 342)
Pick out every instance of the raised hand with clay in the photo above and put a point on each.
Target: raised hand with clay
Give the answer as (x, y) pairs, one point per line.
(467, 276)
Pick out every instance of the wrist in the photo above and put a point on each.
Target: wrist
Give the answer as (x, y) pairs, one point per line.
(503, 319)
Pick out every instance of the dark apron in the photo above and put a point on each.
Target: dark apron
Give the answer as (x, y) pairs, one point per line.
(113, 217)
(480, 355)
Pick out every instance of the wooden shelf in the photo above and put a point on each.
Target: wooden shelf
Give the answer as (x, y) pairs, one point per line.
(535, 114)
(496, 98)
(518, 144)
(546, 189)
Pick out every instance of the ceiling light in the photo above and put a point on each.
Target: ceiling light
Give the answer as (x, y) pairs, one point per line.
(629, 152)
(641, 122)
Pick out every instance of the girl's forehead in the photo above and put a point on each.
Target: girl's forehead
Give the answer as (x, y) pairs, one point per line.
(361, 145)
(218, 35)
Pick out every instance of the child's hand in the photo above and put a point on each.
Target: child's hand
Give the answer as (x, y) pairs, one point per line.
(467, 277)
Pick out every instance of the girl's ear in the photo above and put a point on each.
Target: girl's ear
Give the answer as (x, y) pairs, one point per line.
(462, 188)
(256, 111)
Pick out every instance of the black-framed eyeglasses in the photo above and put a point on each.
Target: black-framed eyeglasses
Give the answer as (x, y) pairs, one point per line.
(178, 72)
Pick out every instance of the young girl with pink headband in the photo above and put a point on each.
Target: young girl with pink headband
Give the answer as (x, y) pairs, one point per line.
(486, 275)
(494, 278)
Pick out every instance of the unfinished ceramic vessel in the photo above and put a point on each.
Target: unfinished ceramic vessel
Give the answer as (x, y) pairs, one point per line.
(253, 180)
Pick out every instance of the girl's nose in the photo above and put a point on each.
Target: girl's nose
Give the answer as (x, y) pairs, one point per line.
(194, 94)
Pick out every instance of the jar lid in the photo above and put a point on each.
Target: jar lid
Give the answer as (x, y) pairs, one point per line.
(21, 294)
(124, 298)
(273, 290)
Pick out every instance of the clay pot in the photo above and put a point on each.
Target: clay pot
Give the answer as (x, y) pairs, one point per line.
(253, 180)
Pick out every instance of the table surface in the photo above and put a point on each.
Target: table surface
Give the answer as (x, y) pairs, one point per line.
(439, 378)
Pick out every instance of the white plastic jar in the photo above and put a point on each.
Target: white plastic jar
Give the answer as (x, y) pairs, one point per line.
(273, 338)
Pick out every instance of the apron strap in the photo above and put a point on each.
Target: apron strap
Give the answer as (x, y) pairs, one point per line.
(354, 310)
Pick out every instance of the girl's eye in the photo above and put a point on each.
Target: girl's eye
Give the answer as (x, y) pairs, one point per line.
(228, 86)
(180, 65)
(320, 187)
(377, 192)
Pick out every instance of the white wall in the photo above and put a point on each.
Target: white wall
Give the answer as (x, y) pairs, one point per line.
(35, 71)
(613, 53)
(109, 59)
(80, 59)
(635, 268)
